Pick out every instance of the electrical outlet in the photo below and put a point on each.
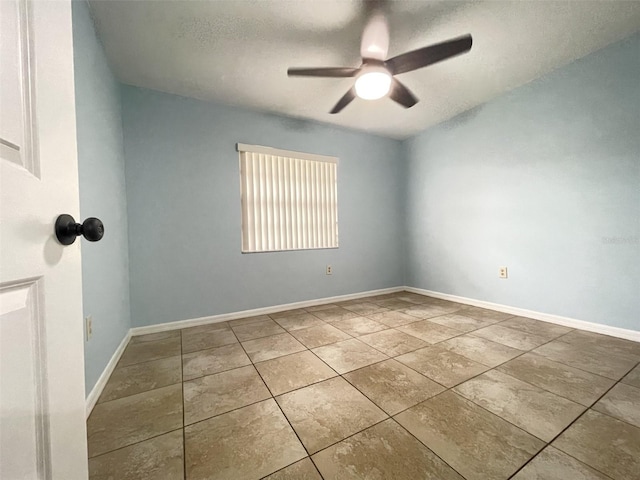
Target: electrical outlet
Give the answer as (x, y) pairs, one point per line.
(89, 326)
(502, 272)
(329, 270)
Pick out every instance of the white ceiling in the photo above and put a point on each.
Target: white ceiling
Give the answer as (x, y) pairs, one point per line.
(237, 52)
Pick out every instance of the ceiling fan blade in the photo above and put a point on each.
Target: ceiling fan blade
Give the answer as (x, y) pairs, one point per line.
(375, 38)
(422, 57)
(344, 101)
(323, 72)
(401, 94)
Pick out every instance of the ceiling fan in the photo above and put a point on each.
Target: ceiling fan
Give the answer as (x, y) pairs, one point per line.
(375, 77)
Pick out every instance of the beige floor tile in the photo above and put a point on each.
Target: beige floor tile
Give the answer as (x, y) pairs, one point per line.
(453, 306)
(536, 411)
(414, 298)
(348, 355)
(245, 444)
(299, 321)
(546, 330)
(383, 296)
(302, 470)
(290, 372)
(353, 301)
(212, 395)
(154, 337)
(140, 377)
(327, 412)
(359, 326)
(206, 336)
(317, 308)
(263, 328)
(552, 464)
(365, 308)
(248, 320)
(461, 322)
(319, 336)
(429, 332)
(622, 402)
(129, 420)
(478, 444)
(159, 458)
(633, 377)
(510, 337)
(394, 318)
(597, 359)
(384, 451)
(335, 314)
(266, 348)
(568, 382)
(287, 313)
(207, 327)
(393, 342)
(428, 310)
(604, 443)
(480, 349)
(213, 360)
(145, 351)
(484, 314)
(393, 303)
(439, 364)
(393, 386)
(586, 339)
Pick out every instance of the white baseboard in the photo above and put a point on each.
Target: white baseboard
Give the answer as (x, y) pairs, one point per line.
(633, 335)
(96, 391)
(194, 322)
(93, 396)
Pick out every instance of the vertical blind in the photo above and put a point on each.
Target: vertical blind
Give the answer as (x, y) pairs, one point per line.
(289, 200)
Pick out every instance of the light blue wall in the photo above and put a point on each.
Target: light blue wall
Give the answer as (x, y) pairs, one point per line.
(105, 265)
(544, 180)
(184, 210)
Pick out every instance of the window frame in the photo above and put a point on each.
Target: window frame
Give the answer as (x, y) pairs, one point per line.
(298, 233)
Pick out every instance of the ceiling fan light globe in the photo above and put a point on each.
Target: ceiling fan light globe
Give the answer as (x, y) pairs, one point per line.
(373, 85)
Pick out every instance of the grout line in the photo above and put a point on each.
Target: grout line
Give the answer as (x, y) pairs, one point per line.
(587, 408)
(118, 367)
(354, 434)
(480, 406)
(317, 469)
(276, 402)
(122, 447)
(224, 413)
(571, 424)
(291, 464)
(134, 394)
(425, 446)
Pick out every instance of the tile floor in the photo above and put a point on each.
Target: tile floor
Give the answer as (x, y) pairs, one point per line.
(397, 386)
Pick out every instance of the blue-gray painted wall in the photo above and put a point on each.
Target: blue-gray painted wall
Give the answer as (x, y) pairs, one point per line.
(544, 180)
(183, 193)
(105, 265)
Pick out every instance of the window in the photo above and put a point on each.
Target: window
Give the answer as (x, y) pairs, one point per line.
(289, 200)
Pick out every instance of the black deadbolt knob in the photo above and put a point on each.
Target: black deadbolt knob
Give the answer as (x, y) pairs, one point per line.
(67, 229)
(92, 229)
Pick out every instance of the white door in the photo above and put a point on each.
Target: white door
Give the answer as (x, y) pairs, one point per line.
(42, 407)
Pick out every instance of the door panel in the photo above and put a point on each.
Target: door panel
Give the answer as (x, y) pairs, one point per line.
(23, 391)
(42, 405)
(16, 81)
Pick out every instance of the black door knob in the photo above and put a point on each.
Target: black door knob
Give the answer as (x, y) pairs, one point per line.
(67, 229)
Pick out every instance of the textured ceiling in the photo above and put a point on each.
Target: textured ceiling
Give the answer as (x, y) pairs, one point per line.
(237, 52)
